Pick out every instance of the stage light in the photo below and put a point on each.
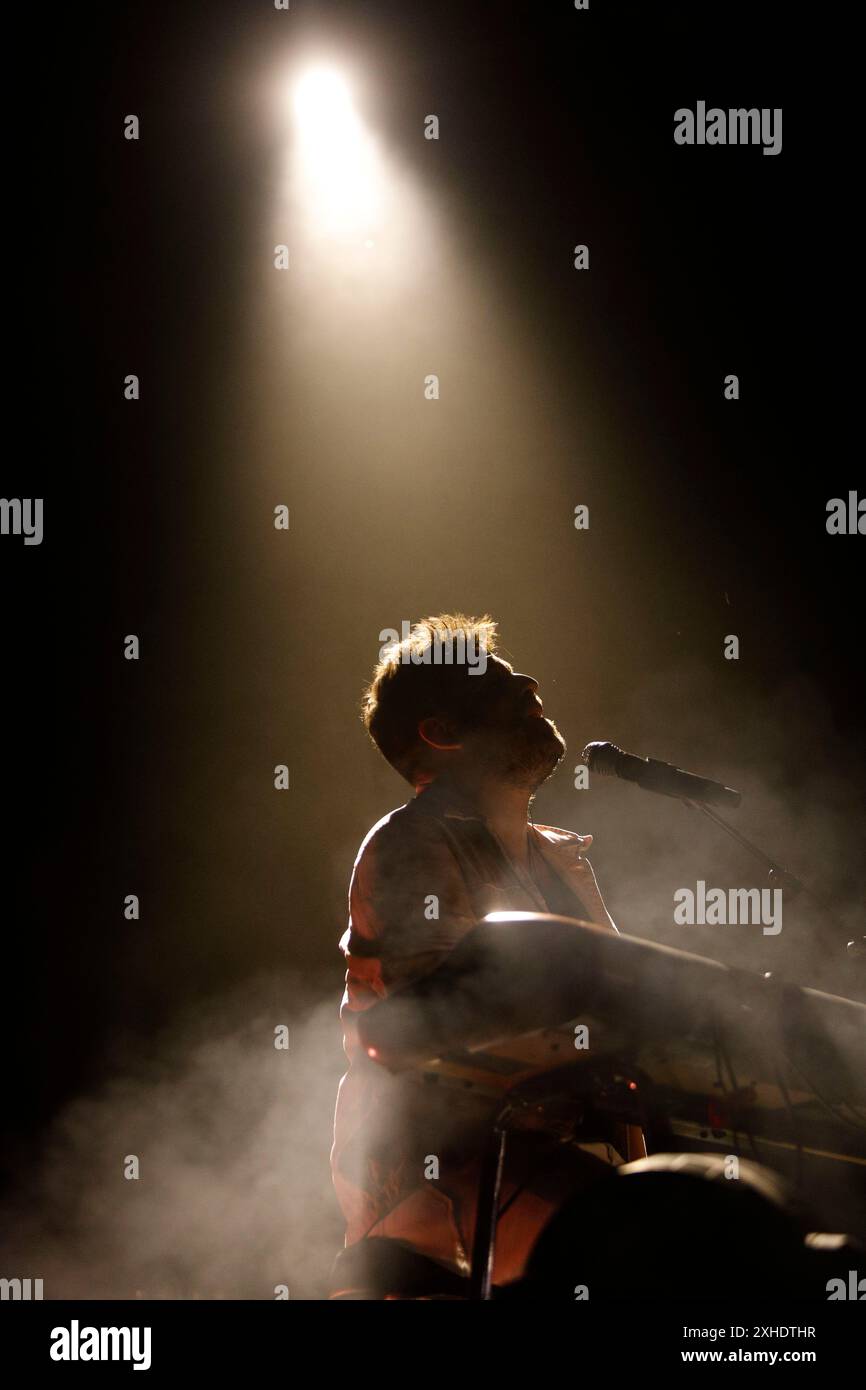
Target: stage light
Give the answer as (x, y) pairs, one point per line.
(322, 101)
(336, 162)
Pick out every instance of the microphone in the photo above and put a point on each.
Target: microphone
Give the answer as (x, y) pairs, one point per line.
(654, 776)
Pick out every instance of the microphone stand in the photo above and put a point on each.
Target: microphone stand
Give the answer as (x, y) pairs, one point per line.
(781, 877)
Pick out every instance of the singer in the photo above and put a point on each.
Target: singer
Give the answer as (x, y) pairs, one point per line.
(405, 1160)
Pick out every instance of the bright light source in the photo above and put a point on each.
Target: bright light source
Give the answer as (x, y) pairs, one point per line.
(322, 101)
(338, 176)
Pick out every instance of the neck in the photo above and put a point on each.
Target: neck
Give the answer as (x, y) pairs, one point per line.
(504, 807)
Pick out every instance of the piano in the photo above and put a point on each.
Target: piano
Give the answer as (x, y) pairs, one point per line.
(549, 1014)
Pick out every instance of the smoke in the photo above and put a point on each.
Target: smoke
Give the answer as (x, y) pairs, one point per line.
(232, 1137)
(779, 747)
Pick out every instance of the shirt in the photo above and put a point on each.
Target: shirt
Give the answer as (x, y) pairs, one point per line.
(405, 1156)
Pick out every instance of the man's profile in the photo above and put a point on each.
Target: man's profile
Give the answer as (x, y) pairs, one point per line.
(475, 748)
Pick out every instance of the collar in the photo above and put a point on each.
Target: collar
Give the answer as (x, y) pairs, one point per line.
(442, 798)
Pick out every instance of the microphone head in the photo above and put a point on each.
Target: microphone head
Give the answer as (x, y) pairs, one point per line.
(601, 758)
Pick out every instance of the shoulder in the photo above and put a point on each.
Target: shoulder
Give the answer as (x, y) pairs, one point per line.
(400, 837)
(403, 824)
(383, 832)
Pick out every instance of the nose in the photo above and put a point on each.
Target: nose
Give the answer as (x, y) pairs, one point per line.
(526, 692)
(527, 682)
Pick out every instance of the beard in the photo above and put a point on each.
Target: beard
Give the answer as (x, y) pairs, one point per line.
(521, 754)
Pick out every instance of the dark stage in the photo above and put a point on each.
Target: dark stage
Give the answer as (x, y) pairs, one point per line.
(335, 317)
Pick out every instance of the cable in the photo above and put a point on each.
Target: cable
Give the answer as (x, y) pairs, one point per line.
(822, 1100)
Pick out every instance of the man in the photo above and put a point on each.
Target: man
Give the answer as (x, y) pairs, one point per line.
(475, 744)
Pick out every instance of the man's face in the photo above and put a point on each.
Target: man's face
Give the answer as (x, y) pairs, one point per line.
(509, 734)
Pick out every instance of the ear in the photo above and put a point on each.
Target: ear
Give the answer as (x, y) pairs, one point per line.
(437, 734)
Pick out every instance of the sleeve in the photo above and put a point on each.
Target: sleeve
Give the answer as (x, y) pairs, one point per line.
(408, 907)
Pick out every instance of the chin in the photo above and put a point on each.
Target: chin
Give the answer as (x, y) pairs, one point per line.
(545, 736)
(555, 735)
(536, 755)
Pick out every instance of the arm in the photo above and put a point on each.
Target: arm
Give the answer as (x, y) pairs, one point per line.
(409, 906)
